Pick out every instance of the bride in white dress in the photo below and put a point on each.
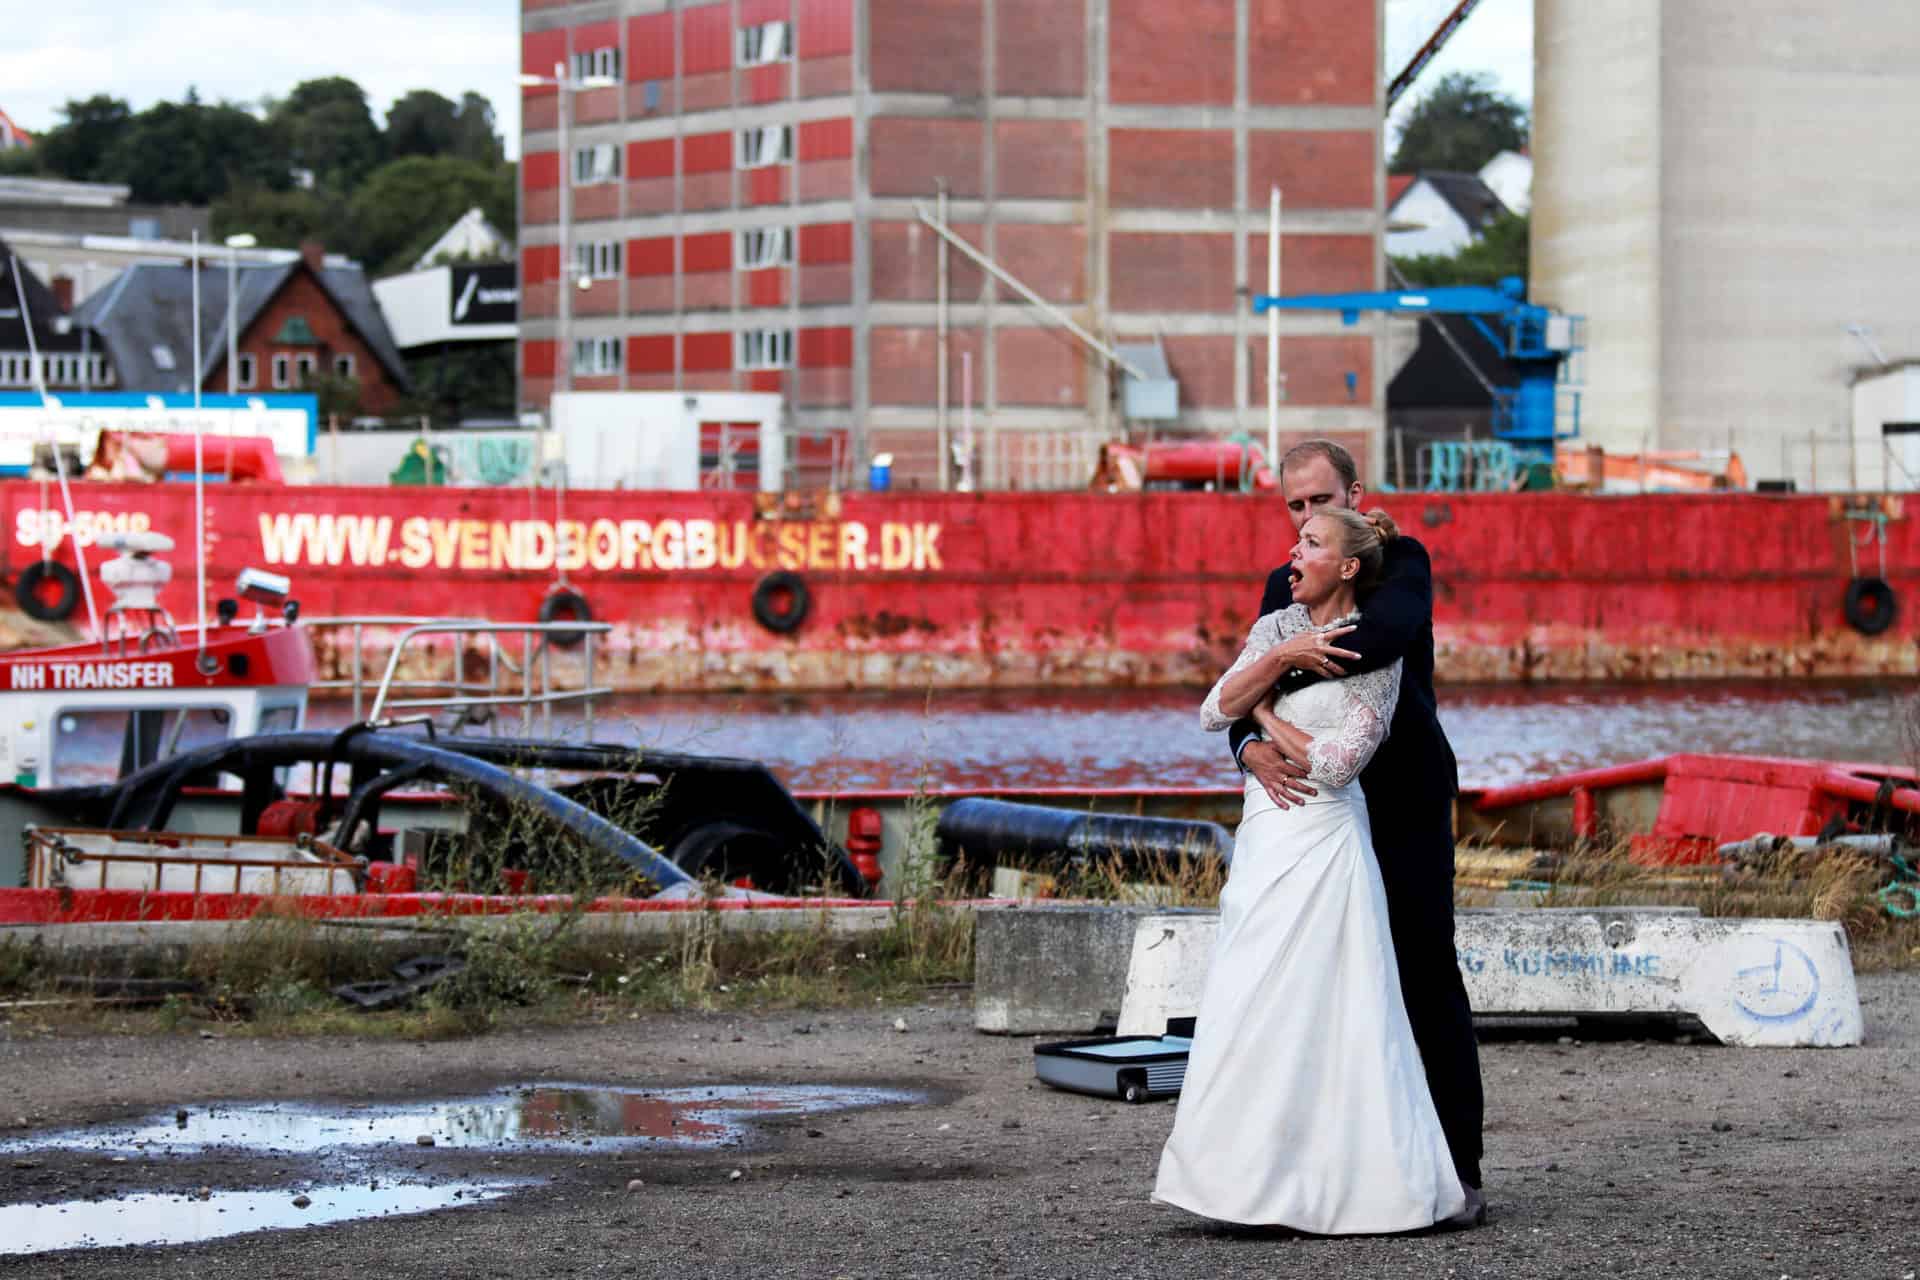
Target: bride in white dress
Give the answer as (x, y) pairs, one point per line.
(1305, 1104)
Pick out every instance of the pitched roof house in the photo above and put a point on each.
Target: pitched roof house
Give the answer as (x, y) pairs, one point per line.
(12, 136)
(70, 356)
(1437, 212)
(296, 321)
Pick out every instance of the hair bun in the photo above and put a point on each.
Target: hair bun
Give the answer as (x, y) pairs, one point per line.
(1383, 525)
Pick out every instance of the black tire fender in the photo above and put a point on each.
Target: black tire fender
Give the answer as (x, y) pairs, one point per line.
(730, 851)
(768, 608)
(1870, 605)
(565, 605)
(26, 591)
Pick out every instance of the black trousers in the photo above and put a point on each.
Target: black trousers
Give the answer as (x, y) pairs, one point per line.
(1413, 839)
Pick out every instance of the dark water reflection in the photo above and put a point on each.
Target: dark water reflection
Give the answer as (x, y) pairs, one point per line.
(1120, 737)
(375, 1140)
(548, 1115)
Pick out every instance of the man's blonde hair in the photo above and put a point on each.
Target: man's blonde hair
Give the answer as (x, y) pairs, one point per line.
(1340, 460)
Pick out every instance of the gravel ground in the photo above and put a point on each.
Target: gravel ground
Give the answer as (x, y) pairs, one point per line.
(1605, 1158)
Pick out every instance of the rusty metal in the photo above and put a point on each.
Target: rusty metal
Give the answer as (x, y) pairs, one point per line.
(918, 591)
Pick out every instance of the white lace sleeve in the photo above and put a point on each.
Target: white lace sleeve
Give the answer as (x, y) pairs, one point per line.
(1337, 758)
(1266, 633)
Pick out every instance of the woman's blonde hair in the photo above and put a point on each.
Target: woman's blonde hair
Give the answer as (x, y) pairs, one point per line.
(1363, 538)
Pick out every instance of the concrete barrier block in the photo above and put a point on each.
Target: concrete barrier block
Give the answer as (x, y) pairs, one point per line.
(1058, 967)
(1750, 982)
(1167, 970)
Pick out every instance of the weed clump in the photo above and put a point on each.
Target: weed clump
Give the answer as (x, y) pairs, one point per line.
(20, 963)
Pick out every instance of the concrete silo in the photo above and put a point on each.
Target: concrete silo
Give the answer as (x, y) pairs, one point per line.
(1725, 188)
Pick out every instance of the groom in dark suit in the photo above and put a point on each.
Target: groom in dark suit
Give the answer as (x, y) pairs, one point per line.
(1409, 784)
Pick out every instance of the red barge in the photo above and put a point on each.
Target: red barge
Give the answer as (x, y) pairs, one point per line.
(735, 591)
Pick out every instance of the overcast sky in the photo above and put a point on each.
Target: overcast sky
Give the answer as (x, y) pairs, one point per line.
(244, 50)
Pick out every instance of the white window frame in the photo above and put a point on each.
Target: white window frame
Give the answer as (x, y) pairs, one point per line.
(604, 61)
(596, 357)
(758, 247)
(764, 44)
(13, 370)
(282, 371)
(304, 366)
(597, 259)
(761, 147)
(245, 370)
(599, 162)
(763, 349)
(344, 365)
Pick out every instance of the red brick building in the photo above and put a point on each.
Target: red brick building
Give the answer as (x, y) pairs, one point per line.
(744, 210)
(298, 321)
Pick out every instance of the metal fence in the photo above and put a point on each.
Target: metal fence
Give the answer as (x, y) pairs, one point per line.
(1462, 458)
(1007, 459)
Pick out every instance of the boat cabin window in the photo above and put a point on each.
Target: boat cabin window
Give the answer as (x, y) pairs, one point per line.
(282, 719)
(279, 719)
(95, 745)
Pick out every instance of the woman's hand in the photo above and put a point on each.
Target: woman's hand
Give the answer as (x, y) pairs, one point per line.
(1314, 652)
(1280, 762)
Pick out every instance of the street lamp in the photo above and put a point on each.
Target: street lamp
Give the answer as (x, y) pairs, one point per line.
(235, 243)
(559, 80)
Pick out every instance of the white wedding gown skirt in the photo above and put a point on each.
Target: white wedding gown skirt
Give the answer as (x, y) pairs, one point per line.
(1305, 1103)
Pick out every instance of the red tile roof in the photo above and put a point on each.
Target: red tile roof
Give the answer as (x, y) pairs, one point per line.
(11, 134)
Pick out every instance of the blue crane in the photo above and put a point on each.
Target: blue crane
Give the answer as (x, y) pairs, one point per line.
(1534, 340)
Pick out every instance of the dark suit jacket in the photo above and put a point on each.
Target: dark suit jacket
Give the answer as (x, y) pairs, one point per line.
(1396, 621)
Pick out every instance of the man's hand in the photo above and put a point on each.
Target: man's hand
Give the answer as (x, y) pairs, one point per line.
(1284, 779)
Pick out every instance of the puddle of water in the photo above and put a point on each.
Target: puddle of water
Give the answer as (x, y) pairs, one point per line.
(550, 1116)
(557, 1115)
(174, 1218)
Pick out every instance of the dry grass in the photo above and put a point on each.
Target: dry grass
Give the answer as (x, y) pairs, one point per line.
(276, 977)
(1826, 884)
(1182, 880)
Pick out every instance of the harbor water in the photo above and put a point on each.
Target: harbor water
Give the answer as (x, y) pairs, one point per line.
(1129, 737)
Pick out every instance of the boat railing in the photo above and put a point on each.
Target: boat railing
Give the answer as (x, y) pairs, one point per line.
(526, 681)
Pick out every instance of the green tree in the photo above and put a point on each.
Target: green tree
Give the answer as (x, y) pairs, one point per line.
(1500, 251)
(476, 136)
(281, 219)
(423, 123)
(403, 207)
(19, 162)
(192, 153)
(327, 130)
(467, 380)
(338, 395)
(77, 147)
(1459, 125)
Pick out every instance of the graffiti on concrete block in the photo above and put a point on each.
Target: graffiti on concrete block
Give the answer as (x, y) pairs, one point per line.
(1557, 962)
(1781, 986)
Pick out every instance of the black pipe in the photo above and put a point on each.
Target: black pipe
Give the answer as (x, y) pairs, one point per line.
(979, 828)
(147, 798)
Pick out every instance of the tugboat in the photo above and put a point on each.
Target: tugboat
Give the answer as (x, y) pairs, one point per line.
(92, 711)
(153, 774)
